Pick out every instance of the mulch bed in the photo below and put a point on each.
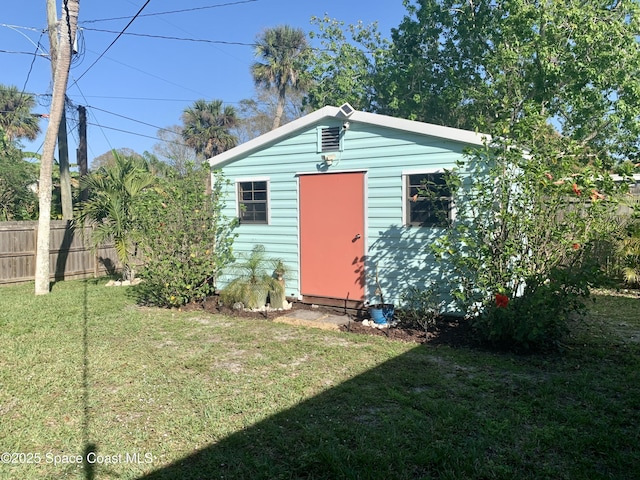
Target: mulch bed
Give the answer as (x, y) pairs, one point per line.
(450, 331)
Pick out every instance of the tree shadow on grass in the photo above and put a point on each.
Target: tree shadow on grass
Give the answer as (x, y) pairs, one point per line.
(375, 425)
(431, 414)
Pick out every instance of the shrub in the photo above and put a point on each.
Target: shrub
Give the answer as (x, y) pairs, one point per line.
(419, 306)
(537, 320)
(184, 238)
(524, 220)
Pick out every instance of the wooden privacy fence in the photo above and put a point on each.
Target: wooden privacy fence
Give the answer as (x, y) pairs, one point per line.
(70, 255)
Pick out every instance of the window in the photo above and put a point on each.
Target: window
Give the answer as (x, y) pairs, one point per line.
(253, 201)
(329, 139)
(428, 200)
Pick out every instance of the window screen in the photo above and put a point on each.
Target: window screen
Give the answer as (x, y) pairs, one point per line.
(428, 202)
(253, 202)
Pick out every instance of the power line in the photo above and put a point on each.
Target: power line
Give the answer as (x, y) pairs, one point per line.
(99, 126)
(114, 41)
(186, 100)
(164, 37)
(134, 133)
(128, 118)
(173, 11)
(144, 99)
(25, 53)
(33, 60)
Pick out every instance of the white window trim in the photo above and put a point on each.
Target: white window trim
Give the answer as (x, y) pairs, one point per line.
(237, 183)
(405, 174)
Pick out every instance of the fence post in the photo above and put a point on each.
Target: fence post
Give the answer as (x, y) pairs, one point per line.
(35, 250)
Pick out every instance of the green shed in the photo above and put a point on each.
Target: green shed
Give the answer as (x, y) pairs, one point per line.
(337, 195)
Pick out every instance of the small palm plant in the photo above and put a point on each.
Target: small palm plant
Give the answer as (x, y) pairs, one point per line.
(629, 252)
(114, 189)
(253, 282)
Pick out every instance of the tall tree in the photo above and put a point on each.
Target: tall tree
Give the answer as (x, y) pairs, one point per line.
(63, 145)
(535, 70)
(173, 150)
(16, 119)
(257, 113)
(207, 129)
(281, 51)
(342, 69)
(68, 31)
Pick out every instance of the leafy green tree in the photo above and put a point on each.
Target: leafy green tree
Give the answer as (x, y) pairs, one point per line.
(184, 238)
(18, 179)
(343, 68)
(555, 85)
(207, 127)
(16, 119)
(281, 52)
(520, 68)
(114, 189)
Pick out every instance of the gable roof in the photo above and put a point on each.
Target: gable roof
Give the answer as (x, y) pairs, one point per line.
(411, 126)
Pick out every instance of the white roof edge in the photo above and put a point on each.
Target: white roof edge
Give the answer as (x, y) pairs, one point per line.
(273, 135)
(430, 129)
(447, 133)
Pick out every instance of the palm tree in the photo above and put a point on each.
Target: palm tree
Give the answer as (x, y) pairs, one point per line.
(207, 128)
(68, 27)
(280, 50)
(114, 189)
(16, 118)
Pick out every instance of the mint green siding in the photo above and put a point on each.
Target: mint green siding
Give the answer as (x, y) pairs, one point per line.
(401, 253)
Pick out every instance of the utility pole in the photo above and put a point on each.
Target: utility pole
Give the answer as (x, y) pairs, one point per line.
(63, 148)
(82, 149)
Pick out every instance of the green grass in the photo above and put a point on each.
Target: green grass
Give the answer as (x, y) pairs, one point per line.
(201, 396)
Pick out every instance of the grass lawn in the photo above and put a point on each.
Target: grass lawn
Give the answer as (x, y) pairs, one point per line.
(94, 387)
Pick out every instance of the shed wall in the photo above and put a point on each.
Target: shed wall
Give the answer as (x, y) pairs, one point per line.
(401, 253)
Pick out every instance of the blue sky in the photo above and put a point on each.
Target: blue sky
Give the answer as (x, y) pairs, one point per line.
(141, 84)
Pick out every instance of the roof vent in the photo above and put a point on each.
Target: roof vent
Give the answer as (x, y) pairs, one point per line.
(330, 139)
(346, 110)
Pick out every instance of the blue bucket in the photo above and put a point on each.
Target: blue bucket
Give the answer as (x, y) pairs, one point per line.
(383, 315)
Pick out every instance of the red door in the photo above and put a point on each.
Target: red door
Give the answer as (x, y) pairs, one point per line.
(332, 235)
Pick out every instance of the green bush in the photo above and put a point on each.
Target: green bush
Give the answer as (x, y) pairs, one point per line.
(419, 307)
(537, 320)
(524, 230)
(185, 240)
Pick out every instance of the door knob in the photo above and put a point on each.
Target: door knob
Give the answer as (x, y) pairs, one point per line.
(357, 236)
